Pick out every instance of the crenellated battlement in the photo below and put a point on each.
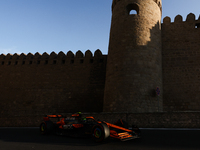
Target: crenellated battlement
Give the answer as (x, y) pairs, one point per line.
(179, 19)
(53, 58)
(158, 2)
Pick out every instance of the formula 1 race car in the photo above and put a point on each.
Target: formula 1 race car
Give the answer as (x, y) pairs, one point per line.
(78, 126)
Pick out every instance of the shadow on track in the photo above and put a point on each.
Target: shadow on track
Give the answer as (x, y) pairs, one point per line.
(151, 139)
(32, 135)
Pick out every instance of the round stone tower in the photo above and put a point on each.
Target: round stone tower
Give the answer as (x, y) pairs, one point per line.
(134, 65)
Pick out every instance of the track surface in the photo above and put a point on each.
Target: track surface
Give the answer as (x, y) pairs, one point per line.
(30, 139)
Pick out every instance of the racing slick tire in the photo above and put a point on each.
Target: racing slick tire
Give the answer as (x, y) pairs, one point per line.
(100, 132)
(46, 127)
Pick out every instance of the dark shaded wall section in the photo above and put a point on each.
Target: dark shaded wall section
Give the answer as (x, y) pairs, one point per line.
(181, 64)
(47, 84)
(142, 120)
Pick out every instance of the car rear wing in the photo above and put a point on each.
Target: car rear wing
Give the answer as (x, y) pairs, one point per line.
(46, 118)
(54, 116)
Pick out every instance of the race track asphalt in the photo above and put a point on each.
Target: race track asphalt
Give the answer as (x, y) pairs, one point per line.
(152, 139)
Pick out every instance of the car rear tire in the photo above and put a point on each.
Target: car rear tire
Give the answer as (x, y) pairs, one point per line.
(100, 132)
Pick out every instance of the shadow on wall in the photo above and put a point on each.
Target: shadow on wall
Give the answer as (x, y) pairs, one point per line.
(181, 52)
(134, 68)
(44, 84)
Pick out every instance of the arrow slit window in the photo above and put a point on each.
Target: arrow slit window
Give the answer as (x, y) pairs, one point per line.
(132, 9)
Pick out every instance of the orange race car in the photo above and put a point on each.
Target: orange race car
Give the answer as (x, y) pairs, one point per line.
(78, 126)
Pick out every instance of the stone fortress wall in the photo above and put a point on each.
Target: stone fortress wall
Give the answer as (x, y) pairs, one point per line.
(181, 63)
(34, 85)
(55, 83)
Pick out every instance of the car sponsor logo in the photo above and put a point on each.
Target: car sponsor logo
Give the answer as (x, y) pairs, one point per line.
(68, 126)
(70, 118)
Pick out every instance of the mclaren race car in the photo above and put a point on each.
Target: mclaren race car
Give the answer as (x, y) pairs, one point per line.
(78, 126)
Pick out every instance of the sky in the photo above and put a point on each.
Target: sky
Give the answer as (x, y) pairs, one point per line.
(30, 26)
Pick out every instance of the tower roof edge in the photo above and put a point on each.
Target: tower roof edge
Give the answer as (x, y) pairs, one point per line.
(158, 2)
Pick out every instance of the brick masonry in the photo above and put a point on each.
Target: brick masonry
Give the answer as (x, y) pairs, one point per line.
(34, 85)
(37, 84)
(134, 66)
(181, 63)
(142, 120)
